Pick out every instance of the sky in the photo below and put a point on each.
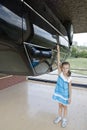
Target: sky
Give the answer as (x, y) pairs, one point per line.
(81, 39)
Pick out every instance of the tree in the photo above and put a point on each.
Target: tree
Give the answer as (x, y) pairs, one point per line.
(74, 51)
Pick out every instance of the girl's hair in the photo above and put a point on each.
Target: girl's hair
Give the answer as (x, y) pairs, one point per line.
(66, 63)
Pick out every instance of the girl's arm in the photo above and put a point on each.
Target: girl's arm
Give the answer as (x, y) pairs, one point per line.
(70, 92)
(58, 59)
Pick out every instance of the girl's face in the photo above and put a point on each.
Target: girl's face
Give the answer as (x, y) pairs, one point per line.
(65, 69)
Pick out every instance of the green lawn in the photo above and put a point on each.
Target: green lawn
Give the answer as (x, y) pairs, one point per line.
(78, 63)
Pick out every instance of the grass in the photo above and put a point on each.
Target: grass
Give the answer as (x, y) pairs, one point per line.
(78, 63)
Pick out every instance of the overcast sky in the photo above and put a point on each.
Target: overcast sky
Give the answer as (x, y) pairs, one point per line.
(81, 38)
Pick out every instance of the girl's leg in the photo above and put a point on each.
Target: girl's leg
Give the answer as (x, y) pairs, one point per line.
(59, 118)
(65, 111)
(64, 120)
(60, 109)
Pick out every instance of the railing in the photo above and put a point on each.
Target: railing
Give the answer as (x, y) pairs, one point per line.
(78, 80)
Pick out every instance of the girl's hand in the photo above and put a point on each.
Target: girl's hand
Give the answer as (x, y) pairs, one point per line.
(69, 100)
(58, 47)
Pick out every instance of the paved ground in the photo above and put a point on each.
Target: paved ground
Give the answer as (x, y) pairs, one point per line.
(28, 106)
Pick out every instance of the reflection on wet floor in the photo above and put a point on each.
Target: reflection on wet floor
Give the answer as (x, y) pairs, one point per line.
(29, 105)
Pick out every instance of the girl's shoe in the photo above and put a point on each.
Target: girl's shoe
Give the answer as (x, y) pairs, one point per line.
(57, 120)
(64, 122)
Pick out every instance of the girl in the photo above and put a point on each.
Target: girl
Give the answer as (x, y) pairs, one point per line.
(63, 90)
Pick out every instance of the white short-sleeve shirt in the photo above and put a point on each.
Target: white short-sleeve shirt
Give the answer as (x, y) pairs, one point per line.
(69, 79)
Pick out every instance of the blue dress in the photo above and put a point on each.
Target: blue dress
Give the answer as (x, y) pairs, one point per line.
(61, 93)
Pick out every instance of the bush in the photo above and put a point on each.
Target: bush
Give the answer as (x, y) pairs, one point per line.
(78, 52)
(83, 54)
(74, 52)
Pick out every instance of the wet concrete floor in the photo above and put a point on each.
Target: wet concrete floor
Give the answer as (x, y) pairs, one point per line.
(29, 106)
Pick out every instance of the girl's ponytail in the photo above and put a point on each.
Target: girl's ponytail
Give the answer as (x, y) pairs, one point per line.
(69, 73)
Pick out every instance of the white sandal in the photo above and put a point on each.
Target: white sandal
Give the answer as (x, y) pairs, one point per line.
(57, 120)
(64, 122)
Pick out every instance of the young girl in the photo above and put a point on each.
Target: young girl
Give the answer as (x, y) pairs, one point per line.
(63, 90)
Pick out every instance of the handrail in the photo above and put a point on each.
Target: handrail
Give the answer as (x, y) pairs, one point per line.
(79, 69)
(4, 77)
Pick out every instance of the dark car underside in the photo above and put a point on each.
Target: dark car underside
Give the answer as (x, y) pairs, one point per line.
(29, 33)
